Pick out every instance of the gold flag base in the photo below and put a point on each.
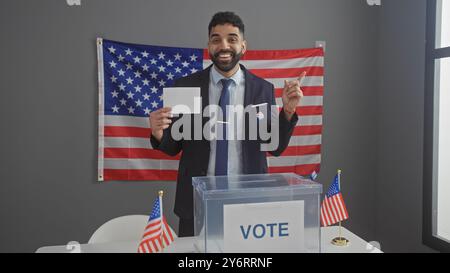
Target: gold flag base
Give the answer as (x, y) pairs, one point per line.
(340, 241)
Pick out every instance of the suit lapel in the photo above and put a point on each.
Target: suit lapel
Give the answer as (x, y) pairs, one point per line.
(248, 99)
(249, 90)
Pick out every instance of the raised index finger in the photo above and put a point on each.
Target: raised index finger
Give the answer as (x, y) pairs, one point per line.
(301, 78)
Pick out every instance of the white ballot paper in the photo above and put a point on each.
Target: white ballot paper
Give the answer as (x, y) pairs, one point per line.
(183, 100)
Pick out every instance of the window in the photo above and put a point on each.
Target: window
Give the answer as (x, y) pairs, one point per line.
(436, 209)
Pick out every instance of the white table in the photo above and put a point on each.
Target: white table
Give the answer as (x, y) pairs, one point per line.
(186, 245)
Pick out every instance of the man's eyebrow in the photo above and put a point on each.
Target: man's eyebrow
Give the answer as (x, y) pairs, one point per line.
(230, 34)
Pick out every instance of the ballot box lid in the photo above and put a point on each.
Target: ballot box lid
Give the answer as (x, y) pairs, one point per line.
(212, 187)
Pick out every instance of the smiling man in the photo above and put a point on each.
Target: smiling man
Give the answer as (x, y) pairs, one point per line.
(225, 83)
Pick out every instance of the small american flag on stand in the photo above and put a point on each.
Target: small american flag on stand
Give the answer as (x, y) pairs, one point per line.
(333, 208)
(157, 234)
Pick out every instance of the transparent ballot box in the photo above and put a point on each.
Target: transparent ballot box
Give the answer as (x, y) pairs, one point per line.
(256, 213)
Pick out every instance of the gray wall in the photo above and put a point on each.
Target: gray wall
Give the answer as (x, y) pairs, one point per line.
(48, 189)
(400, 120)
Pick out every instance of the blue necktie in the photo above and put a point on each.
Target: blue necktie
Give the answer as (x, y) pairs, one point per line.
(222, 145)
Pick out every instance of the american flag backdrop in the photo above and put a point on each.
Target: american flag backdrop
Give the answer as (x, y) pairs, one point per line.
(157, 234)
(333, 208)
(131, 79)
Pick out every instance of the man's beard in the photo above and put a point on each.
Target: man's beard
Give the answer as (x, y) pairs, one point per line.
(226, 66)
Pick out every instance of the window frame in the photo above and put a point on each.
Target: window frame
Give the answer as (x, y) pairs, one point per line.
(432, 54)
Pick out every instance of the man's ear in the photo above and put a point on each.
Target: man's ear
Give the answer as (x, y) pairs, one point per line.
(244, 47)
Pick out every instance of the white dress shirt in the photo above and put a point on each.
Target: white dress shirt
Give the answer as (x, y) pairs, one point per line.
(237, 90)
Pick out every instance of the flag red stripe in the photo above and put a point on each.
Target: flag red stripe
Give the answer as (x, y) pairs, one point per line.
(152, 224)
(301, 150)
(327, 217)
(338, 210)
(116, 131)
(155, 246)
(304, 169)
(121, 131)
(307, 130)
(168, 231)
(324, 216)
(330, 211)
(140, 175)
(148, 246)
(137, 153)
(307, 91)
(276, 54)
(340, 207)
(341, 199)
(151, 232)
(309, 110)
(288, 72)
(333, 209)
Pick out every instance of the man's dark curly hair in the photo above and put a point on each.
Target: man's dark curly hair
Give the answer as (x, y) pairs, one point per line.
(226, 17)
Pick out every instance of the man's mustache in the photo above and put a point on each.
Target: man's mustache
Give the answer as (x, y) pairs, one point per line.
(223, 51)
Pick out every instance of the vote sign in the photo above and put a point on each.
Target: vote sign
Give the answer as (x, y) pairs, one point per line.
(264, 227)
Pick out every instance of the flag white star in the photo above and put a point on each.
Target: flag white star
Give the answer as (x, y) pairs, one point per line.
(131, 110)
(169, 63)
(146, 96)
(130, 80)
(137, 88)
(137, 60)
(161, 56)
(154, 75)
(122, 87)
(154, 104)
(112, 64)
(185, 74)
(121, 58)
(115, 109)
(121, 72)
(177, 57)
(115, 94)
(112, 49)
(113, 78)
(129, 66)
(185, 64)
(193, 58)
(170, 76)
(128, 51)
(145, 67)
(130, 95)
(123, 102)
(154, 89)
(162, 68)
(147, 111)
(145, 82)
(162, 83)
(160, 98)
(137, 74)
(177, 70)
(138, 103)
(193, 70)
(144, 54)
(152, 61)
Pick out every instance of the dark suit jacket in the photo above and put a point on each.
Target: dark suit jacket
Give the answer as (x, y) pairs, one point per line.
(195, 157)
